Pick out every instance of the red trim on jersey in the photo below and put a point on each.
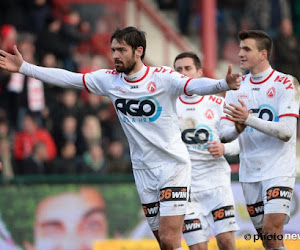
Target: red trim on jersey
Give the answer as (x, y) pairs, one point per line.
(184, 89)
(295, 115)
(263, 80)
(147, 71)
(191, 103)
(84, 83)
(226, 118)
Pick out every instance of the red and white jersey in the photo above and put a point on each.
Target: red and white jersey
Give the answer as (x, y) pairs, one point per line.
(146, 110)
(270, 95)
(199, 119)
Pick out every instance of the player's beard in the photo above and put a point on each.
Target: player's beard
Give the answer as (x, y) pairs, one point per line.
(127, 69)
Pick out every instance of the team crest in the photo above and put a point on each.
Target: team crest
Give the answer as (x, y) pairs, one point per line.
(271, 92)
(209, 114)
(151, 87)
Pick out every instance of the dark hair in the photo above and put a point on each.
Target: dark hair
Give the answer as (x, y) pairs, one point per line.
(132, 36)
(192, 55)
(263, 40)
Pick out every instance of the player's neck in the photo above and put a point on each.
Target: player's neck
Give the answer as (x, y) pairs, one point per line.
(137, 73)
(260, 68)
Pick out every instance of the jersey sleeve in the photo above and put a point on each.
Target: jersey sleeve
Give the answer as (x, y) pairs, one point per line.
(289, 99)
(180, 84)
(98, 81)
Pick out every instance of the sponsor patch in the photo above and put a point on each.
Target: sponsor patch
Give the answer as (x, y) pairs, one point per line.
(279, 193)
(151, 209)
(173, 194)
(191, 225)
(255, 209)
(223, 213)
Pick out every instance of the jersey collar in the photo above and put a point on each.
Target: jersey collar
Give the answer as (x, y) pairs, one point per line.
(262, 77)
(138, 76)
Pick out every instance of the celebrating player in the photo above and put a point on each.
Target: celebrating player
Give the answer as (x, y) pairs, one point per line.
(144, 98)
(268, 143)
(211, 196)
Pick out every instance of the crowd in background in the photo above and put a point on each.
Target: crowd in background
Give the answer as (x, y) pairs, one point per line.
(49, 130)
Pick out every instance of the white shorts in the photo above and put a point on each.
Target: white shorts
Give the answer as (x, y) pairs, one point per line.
(268, 197)
(163, 191)
(214, 209)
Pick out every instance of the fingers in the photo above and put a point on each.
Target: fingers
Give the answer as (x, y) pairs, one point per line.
(3, 53)
(229, 72)
(16, 51)
(242, 102)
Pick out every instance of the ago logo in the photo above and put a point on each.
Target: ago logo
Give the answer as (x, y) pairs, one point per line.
(197, 138)
(266, 112)
(144, 109)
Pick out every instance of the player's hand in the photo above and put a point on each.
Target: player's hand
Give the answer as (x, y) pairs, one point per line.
(240, 127)
(233, 80)
(238, 114)
(9, 62)
(215, 148)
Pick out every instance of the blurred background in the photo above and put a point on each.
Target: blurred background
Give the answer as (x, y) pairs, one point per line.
(51, 138)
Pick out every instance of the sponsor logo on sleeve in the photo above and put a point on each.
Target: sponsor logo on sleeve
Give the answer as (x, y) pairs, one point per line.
(191, 225)
(173, 194)
(151, 209)
(279, 193)
(223, 213)
(255, 209)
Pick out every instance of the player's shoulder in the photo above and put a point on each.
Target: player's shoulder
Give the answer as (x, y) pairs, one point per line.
(162, 71)
(109, 73)
(283, 81)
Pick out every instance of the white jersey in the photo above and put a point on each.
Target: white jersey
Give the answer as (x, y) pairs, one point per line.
(199, 118)
(146, 110)
(270, 95)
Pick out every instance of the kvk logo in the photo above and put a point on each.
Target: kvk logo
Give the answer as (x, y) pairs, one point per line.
(151, 87)
(209, 114)
(271, 92)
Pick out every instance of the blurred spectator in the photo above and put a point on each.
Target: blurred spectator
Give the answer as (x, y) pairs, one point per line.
(73, 31)
(267, 15)
(296, 17)
(230, 14)
(67, 162)
(69, 104)
(50, 41)
(25, 139)
(117, 162)
(26, 93)
(14, 13)
(8, 37)
(184, 14)
(38, 12)
(93, 160)
(91, 133)
(8, 163)
(36, 162)
(287, 50)
(68, 132)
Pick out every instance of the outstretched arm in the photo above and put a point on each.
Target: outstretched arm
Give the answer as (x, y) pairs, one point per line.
(59, 77)
(207, 86)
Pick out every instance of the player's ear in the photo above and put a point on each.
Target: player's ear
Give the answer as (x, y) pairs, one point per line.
(264, 54)
(139, 51)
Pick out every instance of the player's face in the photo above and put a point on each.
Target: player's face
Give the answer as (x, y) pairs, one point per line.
(250, 57)
(70, 221)
(187, 67)
(124, 57)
